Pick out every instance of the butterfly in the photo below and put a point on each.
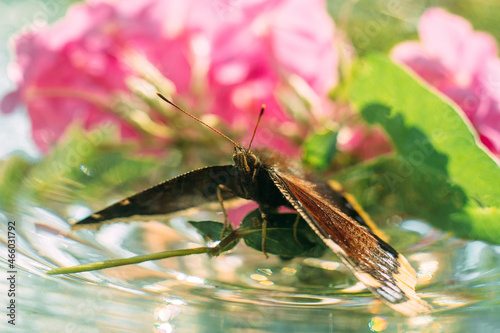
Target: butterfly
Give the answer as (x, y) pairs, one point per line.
(273, 180)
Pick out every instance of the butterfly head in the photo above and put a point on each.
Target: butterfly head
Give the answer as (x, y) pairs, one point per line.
(245, 160)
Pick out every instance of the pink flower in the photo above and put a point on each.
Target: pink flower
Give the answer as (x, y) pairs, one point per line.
(229, 58)
(461, 63)
(236, 215)
(363, 142)
(72, 70)
(260, 47)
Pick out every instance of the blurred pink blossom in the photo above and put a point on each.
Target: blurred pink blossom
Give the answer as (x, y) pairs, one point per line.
(461, 63)
(260, 46)
(73, 69)
(363, 141)
(237, 214)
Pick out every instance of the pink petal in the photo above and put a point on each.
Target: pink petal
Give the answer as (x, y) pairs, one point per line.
(466, 98)
(236, 215)
(304, 46)
(10, 101)
(490, 78)
(489, 129)
(477, 50)
(443, 35)
(415, 56)
(451, 40)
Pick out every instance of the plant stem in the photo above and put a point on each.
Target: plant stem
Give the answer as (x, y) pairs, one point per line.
(128, 261)
(232, 237)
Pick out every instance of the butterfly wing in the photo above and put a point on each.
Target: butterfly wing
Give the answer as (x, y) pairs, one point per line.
(375, 263)
(185, 191)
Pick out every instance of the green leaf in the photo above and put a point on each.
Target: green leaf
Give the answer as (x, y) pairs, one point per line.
(12, 173)
(439, 172)
(280, 239)
(212, 231)
(320, 148)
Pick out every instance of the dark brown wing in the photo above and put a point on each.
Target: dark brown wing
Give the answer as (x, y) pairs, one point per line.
(185, 191)
(376, 264)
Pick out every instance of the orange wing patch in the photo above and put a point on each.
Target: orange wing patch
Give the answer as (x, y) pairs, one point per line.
(375, 263)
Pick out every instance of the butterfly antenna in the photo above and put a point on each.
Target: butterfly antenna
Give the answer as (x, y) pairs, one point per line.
(257, 125)
(198, 120)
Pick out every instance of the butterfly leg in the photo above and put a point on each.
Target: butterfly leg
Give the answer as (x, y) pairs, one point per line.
(264, 230)
(221, 201)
